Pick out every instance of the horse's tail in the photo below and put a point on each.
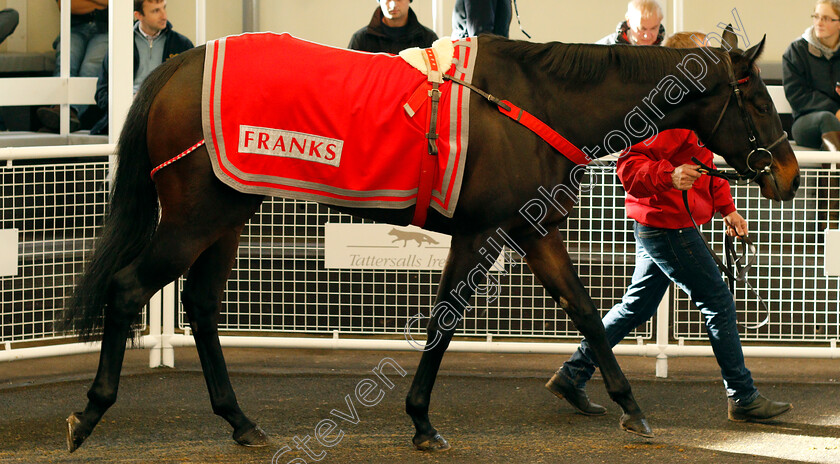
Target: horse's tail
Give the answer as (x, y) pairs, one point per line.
(132, 214)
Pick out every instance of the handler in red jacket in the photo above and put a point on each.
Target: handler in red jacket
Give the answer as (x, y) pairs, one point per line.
(668, 248)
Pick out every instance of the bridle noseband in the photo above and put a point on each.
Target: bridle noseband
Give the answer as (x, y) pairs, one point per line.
(752, 173)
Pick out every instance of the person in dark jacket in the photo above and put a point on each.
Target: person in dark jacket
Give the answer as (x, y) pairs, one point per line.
(154, 43)
(472, 17)
(642, 25)
(393, 28)
(811, 71)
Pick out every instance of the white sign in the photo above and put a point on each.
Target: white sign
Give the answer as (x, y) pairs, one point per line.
(8, 252)
(832, 252)
(383, 246)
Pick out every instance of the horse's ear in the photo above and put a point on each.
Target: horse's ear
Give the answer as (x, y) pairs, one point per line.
(730, 38)
(755, 52)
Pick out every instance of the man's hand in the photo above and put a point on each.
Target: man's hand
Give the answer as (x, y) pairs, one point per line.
(735, 224)
(684, 176)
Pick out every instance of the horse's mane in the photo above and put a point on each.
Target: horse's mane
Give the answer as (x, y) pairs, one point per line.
(590, 63)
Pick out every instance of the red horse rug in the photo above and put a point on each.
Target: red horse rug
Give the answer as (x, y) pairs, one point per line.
(290, 118)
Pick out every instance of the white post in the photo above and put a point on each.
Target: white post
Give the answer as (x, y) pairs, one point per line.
(168, 307)
(64, 65)
(121, 66)
(200, 22)
(662, 317)
(679, 13)
(154, 331)
(438, 17)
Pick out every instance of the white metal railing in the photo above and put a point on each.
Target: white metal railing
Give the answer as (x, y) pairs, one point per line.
(280, 289)
(19, 91)
(271, 287)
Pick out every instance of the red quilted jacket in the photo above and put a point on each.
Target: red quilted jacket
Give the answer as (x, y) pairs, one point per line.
(645, 172)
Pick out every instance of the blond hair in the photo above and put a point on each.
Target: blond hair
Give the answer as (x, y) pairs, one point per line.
(649, 9)
(686, 40)
(834, 4)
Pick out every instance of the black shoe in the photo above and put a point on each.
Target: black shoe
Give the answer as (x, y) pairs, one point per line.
(563, 387)
(50, 117)
(760, 409)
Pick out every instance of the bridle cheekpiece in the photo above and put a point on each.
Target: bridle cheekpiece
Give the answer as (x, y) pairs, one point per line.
(756, 150)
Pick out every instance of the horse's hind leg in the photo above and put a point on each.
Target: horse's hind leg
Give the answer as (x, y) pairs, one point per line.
(167, 256)
(550, 262)
(202, 303)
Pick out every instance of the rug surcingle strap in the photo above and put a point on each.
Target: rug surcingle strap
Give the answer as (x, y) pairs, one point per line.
(429, 90)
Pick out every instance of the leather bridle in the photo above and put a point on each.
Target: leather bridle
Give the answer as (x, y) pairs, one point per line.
(734, 267)
(756, 149)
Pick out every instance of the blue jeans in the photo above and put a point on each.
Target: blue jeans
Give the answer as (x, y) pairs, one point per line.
(88, 48)
(807, 130)
(678, 255)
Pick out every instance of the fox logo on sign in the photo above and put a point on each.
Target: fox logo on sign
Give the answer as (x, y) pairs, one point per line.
(406, 236)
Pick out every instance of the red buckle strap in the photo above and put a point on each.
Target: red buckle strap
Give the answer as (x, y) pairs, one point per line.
(546, 133)
(566, 148)
(412, 106)
(428, 175)
(428, 165)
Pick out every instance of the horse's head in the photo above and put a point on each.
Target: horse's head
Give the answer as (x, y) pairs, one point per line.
(740, 124)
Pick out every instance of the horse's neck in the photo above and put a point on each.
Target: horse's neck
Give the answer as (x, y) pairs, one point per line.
(632, 112)
(671, 92)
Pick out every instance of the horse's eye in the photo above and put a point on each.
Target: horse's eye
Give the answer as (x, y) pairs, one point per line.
(763, 109)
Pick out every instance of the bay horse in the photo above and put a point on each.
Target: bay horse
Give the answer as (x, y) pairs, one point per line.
(187, 220)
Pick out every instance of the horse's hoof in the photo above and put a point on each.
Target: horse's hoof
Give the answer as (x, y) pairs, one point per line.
(436, 443)
(636, 424)
(75, 435)
(254, 437)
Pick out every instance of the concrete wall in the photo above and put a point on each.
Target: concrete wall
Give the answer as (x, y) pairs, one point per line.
(41, 24)
(549, 20)
(333, 22)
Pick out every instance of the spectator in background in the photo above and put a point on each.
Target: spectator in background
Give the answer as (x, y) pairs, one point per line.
(472, 17)
(811, 71)
(393, 28)
(154, 43)
(8, 22)
(642, 25)
(88, 47)
(669, 249)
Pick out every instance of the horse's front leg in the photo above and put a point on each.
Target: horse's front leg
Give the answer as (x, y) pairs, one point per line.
(457, 284)
(550, 262)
